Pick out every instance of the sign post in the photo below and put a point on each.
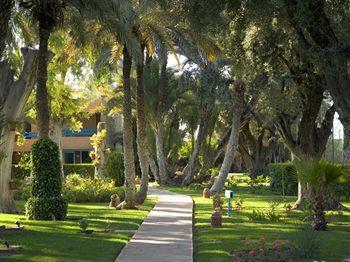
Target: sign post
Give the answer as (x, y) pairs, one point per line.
(229, 196)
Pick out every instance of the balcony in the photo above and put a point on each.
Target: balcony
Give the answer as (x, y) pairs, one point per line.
(30, 135)
(65, 133)
(83, 132)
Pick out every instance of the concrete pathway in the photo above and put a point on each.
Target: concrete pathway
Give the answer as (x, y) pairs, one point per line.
(166, 234)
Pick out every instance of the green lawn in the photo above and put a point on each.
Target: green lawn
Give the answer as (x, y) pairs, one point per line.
(62, 241)
(216, 244)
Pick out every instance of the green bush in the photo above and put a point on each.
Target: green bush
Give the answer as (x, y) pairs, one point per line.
(85, 170)
(114, 168)
(46, 202)
(48, 208)
(83, 190)
(283, 172)
(19, 173)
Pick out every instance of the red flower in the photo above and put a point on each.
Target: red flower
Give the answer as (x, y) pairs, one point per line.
(277, 243)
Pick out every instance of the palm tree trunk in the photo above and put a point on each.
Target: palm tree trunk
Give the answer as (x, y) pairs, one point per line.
(128, 144)
(190, 169)
(154, 168)
(142, 144)
(42, 98)
(5, 16)
(233, 140)
(161, 159)
(346, 146)
(56, 136)
(159, 135)
(318, 209)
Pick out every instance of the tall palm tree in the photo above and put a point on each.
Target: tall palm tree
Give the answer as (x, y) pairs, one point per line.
(320, 176)
(232, 144)
(48, 14)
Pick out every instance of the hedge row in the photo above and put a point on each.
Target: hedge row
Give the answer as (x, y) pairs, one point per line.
(85, 170)
(285, 172)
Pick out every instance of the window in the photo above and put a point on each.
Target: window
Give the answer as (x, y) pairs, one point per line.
(69, 158)
(85, 157)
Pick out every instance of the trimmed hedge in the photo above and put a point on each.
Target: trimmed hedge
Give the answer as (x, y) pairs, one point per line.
(114, 168)
(85, 170)
(46, 202)
(279, 172)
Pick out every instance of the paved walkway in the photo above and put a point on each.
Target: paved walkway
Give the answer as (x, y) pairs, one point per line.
(166, 234)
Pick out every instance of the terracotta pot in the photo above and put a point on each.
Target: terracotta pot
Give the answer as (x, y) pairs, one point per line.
(216, 219)
(206, 193)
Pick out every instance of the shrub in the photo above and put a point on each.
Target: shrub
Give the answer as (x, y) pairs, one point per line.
(85, 170)
(46, 202)
(114, 168)
(269, 215)
(283, 175)
(19, 173)
(83, 190)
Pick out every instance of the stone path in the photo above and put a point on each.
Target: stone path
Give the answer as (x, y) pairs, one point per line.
(166, 234)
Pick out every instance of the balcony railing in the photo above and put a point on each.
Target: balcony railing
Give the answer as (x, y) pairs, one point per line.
(83, 132)
(29, 135)
(66, 133)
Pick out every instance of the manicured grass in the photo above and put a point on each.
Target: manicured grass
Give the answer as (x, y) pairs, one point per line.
(216, 244)
(62, 241)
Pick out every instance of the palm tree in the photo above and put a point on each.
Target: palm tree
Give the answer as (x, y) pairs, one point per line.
(232, 144)
(48, 14)
(320, 176)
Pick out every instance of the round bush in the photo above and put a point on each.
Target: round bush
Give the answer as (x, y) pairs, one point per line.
(114, 168)
(54, 208)
(46, 200)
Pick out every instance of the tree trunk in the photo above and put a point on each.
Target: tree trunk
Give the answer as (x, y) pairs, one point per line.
(154, 168)
(142, 144)
(42, 97)
(13, 96)
(319, 222)
(190, 169)
(5, 16)
(128, 144)
(232, 145)
(346, 146)
(159, 133)
(161, 159)
(56, 136)
(7, 204)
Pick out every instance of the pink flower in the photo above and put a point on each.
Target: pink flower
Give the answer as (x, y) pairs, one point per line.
(251, 253)
(262, 239)
(277, 243)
